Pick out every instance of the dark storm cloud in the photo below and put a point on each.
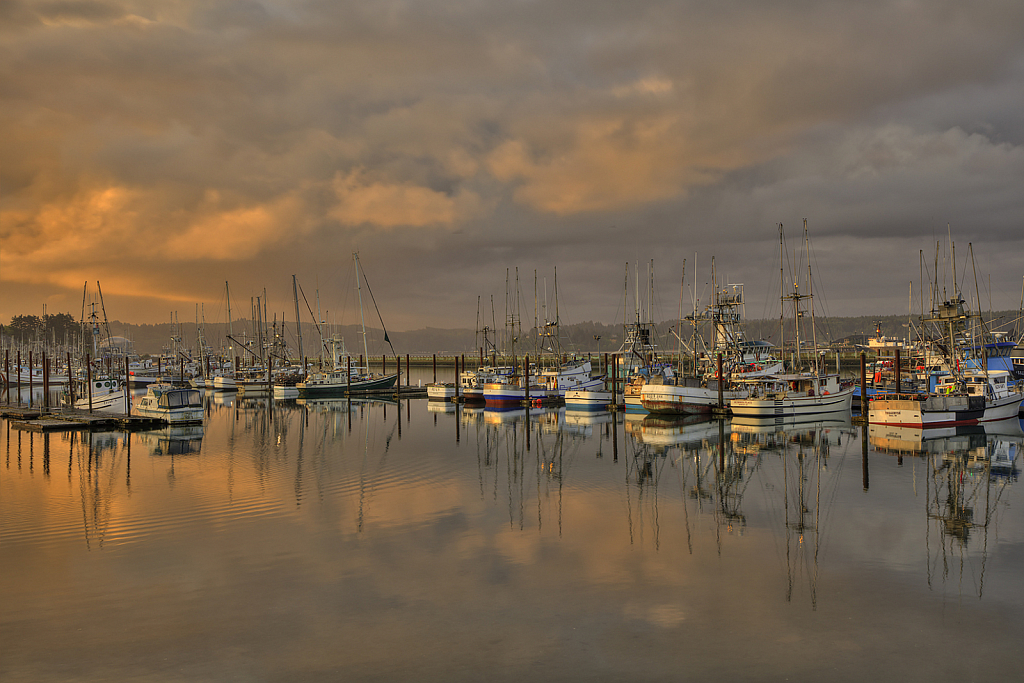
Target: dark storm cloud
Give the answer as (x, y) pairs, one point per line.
(166, 147)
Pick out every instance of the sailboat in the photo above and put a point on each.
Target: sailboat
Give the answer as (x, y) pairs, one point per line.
(344, 377)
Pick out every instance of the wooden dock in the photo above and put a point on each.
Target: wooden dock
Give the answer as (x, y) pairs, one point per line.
(54, 420)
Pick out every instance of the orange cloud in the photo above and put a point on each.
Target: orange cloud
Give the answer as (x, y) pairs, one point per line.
(390, 205)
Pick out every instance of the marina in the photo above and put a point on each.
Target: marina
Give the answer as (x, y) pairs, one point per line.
(317, 539)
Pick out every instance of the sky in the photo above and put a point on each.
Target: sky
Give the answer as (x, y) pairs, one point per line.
(166, 148)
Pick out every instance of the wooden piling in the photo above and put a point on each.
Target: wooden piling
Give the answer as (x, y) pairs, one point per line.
(897, 368)
(88, 378)
(456, 381)
(721, 396)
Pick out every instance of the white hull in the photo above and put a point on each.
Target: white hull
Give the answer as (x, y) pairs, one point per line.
(442, 391)
(839, 401)
(683, 400)
(173, 405)
(585, 399)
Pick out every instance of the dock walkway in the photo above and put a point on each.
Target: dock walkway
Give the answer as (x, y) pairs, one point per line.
(68, 419)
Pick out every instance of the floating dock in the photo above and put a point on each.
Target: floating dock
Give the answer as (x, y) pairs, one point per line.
(54, 420)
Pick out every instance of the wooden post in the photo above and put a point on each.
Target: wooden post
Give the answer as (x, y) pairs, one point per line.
(348, 379)
(526, 383)
(88, 378)
(408, 373)
(897, 368)
(863, 384)
(46, 382)
(721, 396)
(19, 376)
(481, 357)
(7, 374)
(127, 393)
(457, 381)
(30, 382)
(71, 384)
(435, 368)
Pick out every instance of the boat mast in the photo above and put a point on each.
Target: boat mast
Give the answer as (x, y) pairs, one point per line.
(298, 318)
(782, 292)
(362, 322)
(810, 295)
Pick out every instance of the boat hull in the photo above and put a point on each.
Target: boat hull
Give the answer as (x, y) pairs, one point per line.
(342, 388)
(839, 401)
(941, 411)
(669, 399)
(585, 399)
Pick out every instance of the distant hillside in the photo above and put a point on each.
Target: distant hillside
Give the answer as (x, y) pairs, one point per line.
(580, 337)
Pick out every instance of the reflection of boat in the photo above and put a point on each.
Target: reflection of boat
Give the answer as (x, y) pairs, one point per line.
(172, 404)
(441, 407)
(179, 440)
(583, 421)
(326, 405)
(662, 431)
(753, 424)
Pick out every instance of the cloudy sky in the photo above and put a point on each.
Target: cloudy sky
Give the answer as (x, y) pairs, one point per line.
(164, 148)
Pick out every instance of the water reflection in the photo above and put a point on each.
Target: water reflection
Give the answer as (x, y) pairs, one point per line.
(425, 526)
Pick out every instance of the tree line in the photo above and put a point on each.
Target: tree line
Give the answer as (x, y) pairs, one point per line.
(61, 327)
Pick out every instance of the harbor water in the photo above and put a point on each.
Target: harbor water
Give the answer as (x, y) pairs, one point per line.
(338, 540)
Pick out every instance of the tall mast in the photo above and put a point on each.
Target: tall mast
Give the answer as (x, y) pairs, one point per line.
(810, 295)
(298, 318)
(782, 292)
(362, 322)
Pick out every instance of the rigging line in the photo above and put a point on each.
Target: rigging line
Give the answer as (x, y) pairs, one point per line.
(393, 352)
(313, 316)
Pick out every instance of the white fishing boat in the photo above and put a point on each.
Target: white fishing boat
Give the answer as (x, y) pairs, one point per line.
(798, 394)
(102, 393)
(441, 391)
(686, 396)
(176, 405)
(588, 399)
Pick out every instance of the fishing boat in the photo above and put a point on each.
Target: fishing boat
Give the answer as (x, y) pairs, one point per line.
(471, 382)
(175, 405)
(741, 359)
(977, 385)
(103, 393)
(588, 399)
(797, 393)
(441, 391)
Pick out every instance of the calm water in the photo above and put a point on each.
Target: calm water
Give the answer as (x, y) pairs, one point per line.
(381, 541)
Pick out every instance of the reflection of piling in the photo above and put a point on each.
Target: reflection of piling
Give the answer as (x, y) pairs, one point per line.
(864, 454)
